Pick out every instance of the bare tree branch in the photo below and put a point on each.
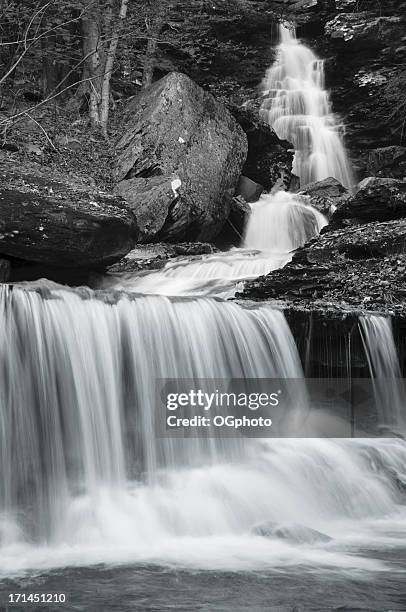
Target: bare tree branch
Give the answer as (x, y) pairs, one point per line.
(41, 128)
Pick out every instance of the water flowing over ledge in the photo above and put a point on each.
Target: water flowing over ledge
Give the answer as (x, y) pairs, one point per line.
(297, 106)
(84, 479)
(279, 224)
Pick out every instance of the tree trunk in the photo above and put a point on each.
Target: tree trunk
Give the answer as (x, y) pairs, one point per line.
(93, 64)
(100, 52)
(108, 69)
(154, 30)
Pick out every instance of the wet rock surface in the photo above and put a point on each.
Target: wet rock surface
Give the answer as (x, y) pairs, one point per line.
(269, 159)
(377, 199)
(175, 128)
(4, 270)
(366, 54)
(325, 195)
(360, 267)
(57, 219)
(155, 256)
(291, 532)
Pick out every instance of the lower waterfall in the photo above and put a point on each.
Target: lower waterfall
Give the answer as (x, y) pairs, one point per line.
(84, 479)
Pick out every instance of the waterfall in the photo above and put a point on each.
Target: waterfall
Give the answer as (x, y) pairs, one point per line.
(78, 381)
(379, 344)
(282, 223)
(279, 224)
(85, 480)
(298, 108)
(86, 477)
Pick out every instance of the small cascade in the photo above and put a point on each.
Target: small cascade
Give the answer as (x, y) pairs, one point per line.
(380, 348)
(298, 108)
(279, 224)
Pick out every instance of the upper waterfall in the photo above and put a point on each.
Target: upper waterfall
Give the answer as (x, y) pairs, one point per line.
(298, 108)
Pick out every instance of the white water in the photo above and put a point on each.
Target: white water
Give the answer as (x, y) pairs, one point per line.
(385, 369)
(297, 106)
(279, 224)
(85, 480)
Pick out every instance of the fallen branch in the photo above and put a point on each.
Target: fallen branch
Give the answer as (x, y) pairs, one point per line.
(42, 129)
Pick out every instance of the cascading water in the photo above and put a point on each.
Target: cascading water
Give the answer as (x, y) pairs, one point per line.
(85, 480)
(380, 348)
(83, 477)
(282, 224)
(279, 224)
(297, 106)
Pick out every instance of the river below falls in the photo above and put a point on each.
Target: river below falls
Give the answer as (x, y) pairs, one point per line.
(153, 588)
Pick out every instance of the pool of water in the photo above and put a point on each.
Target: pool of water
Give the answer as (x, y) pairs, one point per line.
(154, 588)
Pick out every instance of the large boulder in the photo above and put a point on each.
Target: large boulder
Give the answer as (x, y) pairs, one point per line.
(60, 221)
(376, 199)
(151, 200)
(174, 130)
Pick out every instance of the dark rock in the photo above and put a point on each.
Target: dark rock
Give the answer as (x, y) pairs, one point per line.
(176, 128)
(269, 159)
(291, 532)
(151, 201)
(234, 227)
(9, 146)
(357, 267)
(155, 256)
(387, 162)
(294, 183)
(362, 28)
(377, 199)
(325, 195)
(249, 189)
(365, 71)
(4, 270)
(55, 219)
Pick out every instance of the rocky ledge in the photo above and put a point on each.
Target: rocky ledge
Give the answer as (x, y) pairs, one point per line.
(59, 220)
(155, 256)
(353, 266)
